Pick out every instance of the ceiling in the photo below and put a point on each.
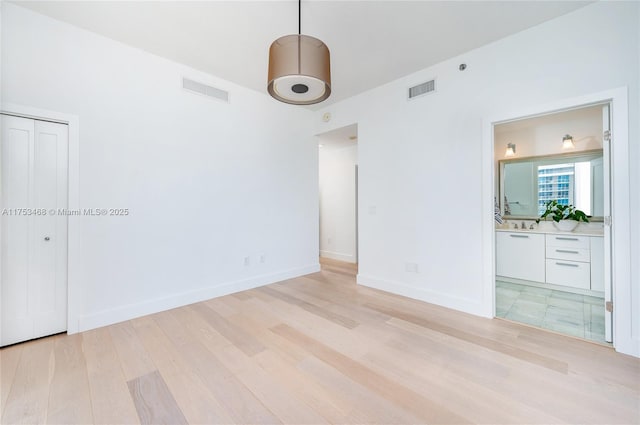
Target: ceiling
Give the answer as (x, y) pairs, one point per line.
(371, 42)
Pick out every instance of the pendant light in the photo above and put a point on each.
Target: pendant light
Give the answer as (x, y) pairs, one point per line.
(299, 69)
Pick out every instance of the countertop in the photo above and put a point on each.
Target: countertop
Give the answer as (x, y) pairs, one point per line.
(546, 230)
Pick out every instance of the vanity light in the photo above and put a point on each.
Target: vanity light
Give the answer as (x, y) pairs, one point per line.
(567, 142)
(511, 149)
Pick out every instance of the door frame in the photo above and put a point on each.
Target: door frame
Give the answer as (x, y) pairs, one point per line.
(623, 340)
(73, 224)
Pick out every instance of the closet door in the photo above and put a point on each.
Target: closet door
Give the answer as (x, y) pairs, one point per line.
(34, 237)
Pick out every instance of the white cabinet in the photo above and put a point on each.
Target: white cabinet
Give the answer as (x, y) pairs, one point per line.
(568, 260)
(562, 259)
(597, 263)
(568, 273)
(520, 255)
(567, 241)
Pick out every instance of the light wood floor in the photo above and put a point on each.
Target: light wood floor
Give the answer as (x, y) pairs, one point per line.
(312, 350)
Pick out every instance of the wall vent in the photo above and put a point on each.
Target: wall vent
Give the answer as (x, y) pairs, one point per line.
(196, 87)
(422, 89)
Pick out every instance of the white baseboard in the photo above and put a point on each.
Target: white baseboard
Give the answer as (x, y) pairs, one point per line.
(338, 256)
(466, 305)
(131, 311)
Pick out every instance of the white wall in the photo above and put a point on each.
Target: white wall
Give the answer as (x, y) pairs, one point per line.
(207, 183)
(338, 202)
(427, 206)
(543, 135)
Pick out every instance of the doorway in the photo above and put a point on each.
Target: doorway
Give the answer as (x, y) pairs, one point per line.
(35, 155)
(549, 277)
(338, 190)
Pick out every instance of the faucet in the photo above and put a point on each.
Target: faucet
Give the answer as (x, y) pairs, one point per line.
(531, 227)
(523, 226)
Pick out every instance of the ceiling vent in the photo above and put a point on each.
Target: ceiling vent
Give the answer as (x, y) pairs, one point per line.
(196, 87)
(422, 89)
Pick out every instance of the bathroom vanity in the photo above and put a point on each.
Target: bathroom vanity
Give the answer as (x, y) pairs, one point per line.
(571, 260)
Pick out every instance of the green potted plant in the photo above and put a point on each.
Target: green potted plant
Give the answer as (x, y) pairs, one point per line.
(565, 217)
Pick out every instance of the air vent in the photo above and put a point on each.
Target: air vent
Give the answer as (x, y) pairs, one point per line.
(196, 87)
(422, 89)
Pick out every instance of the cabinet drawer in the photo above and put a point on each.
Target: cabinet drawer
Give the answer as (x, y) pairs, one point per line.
(569, 273)
(568, 241)
(572, 254)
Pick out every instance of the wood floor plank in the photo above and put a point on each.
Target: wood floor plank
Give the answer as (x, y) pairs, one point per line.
(340, 338)
(315, 349)
(110, 399)
(69, 395)
(154, 402)
(240, 403)
(249, 345)
(322, 399)
(345, 303)
(134, 358)
(507, 375)
(287, 406)
(311, 308)
(491, 344)
(195, 400)
(251, 324)
(29, 394)
(387, 388)
(365, 406)
(452, 389)
(9, 360)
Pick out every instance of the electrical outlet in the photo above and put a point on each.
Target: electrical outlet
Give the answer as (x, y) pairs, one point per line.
(263, 258)
(329, 240)
(373, 210)
(247, 261)
(411, 267)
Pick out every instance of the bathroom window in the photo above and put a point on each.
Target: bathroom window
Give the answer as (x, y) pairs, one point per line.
(568, 183)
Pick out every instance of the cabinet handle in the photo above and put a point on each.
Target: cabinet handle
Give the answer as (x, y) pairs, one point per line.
(567, 264)
(567, 251)
(566, 239)
(519, 236)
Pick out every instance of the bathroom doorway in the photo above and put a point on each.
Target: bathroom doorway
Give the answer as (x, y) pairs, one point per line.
(338, 203)
(553, 278)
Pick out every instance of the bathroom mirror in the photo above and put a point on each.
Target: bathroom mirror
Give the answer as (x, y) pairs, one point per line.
(527, 184)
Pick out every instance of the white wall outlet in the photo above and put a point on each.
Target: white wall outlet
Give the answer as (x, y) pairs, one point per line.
(263, 258)
(373, 210)
(329, 240)
(247, 261)
(411, 267)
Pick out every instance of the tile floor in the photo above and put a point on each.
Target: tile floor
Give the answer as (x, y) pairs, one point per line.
(571, 314)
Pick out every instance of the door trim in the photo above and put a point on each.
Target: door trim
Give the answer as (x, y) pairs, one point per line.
(74, 295)
(623, 339)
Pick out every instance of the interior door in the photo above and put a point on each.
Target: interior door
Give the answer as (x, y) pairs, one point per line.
(606, 147)
(34, 231)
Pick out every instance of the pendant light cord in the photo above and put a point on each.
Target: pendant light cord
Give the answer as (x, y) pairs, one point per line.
(299, 19)
(299, 37)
